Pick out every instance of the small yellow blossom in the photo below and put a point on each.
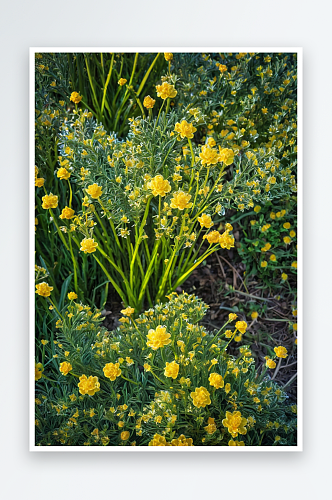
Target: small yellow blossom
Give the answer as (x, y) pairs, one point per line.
(38, 371)
(158, 338)
(270, 363)
(128, 311)
(75, 97)
(63, 173)
(216, 380)
(211, 427)
(124, 435)
(226, 156)
(88, 385)
(148, 102)
(181, 200)
(166, 90)
(88, 245)
(72, 296)
(209, 156)
(158, 440)
(112, 371)
(49, 201)
(235, 443)
(39, 181)
(94, 191)
(205, 221)
(65, 368)
(185, 129)
(159, 186)
(44, 289)
(201, 397)
(168, 56)
(67, 213)
(122, 82)
(235, 423)
(281, 352)
(241, 326)
(171, 369)
(212, 237)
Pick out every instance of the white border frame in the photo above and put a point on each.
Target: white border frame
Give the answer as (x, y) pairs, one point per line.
(32, 446)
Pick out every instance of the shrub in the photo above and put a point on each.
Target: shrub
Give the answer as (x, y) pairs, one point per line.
(159, 380)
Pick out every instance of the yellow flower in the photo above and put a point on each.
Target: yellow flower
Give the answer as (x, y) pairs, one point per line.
(39, 182)
(264, 110)
(201, 397)
(284, 276)
(226, 241)
(88, 245)
(159, 186)
(75, 97)
(222, 68)
(88, 385)
(168, 56)
(50, 201)
(171, 370)
(257, 209)
(158, 440)
(166, 90)
(235, 423)
(208, 156)
(266, 247)
(273, 258)
(270, 363)
(112, 370)
(147, 367)
(185, 129)
(205, 221)
(263, 263)
(254, 315)
(281, 352)
(94, 191)
(286, 225)
(122, 82)
(211, 427)
(182, 441)
(128, 311)
(235, 443)
(158, 338)
(72, 296)
(65, 368)
(44, 289)
(63, 173)
(216, 380)
(241, 326)
(226, 155)
(148, 102)
(212, 237)
(124, 435)
(287, 240)
(67, 213)
(180, 200)
(38, 371)
(294, 264)
(292, 234)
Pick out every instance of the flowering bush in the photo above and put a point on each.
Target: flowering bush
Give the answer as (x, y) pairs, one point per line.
(143, 165)
(159, 380)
